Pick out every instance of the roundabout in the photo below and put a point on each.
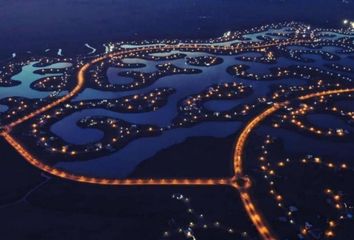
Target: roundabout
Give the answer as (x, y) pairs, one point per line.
(240, 181)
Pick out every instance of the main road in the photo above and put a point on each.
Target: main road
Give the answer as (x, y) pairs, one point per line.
(239, 181)
(194, 47)
(245, 195)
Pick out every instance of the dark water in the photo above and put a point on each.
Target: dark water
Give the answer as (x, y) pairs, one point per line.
(40, 24)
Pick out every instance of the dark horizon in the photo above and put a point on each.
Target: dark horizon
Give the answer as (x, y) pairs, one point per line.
(176, 120)
(34, 25)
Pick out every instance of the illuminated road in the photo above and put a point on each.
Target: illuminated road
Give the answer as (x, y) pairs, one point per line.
(250, 208)
(240, 145)
(196, 47)
(106, 181)
(239, 181)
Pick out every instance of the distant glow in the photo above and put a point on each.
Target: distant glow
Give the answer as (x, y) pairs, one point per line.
(227, 34)
(350, 23)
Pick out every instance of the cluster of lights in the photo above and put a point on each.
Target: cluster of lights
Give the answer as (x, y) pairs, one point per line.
(304, 109)
(204, 61)
(192, 109)
(50, 83)
(8, 70)
(342, 68)
(139, 79)
(199, 222)
(296, 116)
(268, 57)
(303, 72)
(348, 23)
(122, 130)
(170, 57)
(269, 173)
(334, 198)
(120, 133)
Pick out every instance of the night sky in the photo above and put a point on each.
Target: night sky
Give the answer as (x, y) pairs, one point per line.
(38, 24)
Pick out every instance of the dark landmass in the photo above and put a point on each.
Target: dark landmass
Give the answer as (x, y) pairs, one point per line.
(196, 157)
(45, 207)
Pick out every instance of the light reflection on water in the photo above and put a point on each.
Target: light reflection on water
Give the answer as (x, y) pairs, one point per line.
(27, 77)
(123, 162)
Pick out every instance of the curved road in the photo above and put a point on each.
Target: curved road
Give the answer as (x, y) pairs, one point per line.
(243, 189)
